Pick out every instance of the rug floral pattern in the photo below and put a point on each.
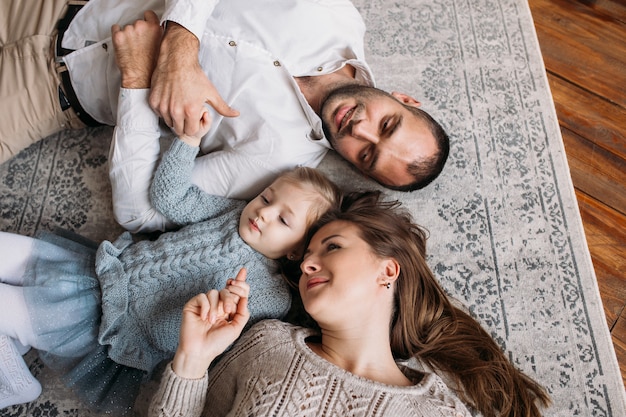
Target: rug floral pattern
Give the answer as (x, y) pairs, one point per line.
(505, 233)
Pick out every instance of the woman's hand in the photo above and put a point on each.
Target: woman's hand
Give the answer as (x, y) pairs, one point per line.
(207, 331)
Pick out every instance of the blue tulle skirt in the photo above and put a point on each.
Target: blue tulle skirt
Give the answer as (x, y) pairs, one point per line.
(63, 297)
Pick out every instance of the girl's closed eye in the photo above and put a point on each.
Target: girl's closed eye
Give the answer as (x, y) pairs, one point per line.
(283, 220)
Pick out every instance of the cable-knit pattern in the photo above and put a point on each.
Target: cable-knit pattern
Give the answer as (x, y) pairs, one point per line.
(145, 285)
(271, 371)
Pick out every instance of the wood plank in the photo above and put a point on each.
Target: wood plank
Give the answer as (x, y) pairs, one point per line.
(619, 343)
(590, 116)
(579, 40)
(605, 230)
(595, 171)
(585, 48)
(615, 8)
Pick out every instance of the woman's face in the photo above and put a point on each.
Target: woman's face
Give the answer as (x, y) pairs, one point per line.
(341, 276)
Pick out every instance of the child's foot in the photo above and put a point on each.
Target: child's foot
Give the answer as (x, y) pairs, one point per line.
(17, 384)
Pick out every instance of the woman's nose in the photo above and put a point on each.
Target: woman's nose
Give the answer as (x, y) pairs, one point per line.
(309, 265)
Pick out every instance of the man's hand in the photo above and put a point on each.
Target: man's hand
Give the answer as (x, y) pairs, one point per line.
(136, 50)
(180, 87)
(207, 331)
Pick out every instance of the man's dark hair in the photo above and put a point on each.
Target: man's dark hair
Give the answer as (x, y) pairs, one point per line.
(425, 170)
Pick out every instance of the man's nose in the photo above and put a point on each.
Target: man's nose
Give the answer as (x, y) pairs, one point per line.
(364, 131)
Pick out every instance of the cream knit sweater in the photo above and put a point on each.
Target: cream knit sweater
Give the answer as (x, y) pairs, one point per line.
(271, 371)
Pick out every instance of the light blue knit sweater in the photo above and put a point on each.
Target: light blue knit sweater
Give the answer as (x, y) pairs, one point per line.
(145, 284)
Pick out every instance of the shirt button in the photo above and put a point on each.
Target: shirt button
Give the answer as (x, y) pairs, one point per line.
(277, 63)
(232, 43)
(319, 69)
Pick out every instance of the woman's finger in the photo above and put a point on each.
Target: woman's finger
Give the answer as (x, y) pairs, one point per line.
(214, 300)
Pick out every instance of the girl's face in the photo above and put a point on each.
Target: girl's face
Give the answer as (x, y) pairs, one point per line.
(275, 222)
(341, 276)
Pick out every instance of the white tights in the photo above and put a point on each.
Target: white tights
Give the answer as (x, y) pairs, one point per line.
(17, 385)
(15, 251)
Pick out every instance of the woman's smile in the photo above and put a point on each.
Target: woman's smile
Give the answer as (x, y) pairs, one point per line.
(315, 281)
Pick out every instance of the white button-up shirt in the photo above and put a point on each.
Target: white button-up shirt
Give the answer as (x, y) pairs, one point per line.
(251, 51)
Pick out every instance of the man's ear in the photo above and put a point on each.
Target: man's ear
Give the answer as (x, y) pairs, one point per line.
(405, 99)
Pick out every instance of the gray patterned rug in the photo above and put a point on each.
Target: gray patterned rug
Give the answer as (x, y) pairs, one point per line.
(506, 235)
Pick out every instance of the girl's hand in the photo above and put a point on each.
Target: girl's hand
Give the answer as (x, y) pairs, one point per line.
(206, 331)
(205, 125)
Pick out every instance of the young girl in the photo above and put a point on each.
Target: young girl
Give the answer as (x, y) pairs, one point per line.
(365, 281)
(105, 318)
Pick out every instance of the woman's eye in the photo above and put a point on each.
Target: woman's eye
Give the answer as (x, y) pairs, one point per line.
(332, 246)
(264, 199)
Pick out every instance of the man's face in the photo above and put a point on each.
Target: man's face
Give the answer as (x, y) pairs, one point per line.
(376, 133)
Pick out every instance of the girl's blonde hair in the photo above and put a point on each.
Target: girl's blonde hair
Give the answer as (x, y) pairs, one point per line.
(327, 194)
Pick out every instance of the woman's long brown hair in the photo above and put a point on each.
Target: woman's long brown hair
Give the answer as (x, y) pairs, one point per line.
(426, 325)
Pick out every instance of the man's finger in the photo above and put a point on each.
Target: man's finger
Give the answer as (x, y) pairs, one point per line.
(222, 108)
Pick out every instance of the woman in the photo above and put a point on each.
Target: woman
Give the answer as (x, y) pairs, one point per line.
(366, 283)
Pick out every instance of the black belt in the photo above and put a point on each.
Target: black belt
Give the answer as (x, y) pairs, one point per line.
(68, 97)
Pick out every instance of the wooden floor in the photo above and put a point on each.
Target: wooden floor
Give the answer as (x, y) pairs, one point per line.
(583, 43)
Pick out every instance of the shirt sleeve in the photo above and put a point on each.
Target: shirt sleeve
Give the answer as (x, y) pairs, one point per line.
(133, 158)
(191, 14)
(232, 173)
(178, 396)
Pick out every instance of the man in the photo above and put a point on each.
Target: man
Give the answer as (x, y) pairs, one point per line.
(293, 70)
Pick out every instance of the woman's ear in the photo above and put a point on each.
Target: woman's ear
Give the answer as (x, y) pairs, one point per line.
(390, 271)
(406, 99)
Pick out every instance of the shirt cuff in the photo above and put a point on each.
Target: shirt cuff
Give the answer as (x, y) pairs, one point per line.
(134, 112)
(191, 14)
